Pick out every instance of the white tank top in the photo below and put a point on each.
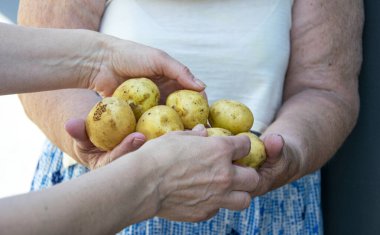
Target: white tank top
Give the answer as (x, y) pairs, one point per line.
(239, 48)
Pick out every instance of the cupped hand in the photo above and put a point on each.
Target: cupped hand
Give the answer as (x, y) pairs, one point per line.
(196, 175)
(123, 59)
(281, 166)
(92, 157)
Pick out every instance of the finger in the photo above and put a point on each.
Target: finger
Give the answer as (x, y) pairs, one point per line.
(274, 144)
(199, 127)
(236, 200)
(129, 144)
(203, 93)
(241, 145)
(76, 128)
(245, 179)
(198, 130)
(168, 67)
(209, 215)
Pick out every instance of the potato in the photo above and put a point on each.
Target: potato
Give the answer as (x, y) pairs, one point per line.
(231, 115)
(191, 106)
(215, 131)
(257, 155)
(109, 122)
(140, 93)
(159, 120)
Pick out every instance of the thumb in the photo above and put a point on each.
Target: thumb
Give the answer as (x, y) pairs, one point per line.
(170, 68)
(76, 128)
(274, 144)
(129, 144)
(200, 130)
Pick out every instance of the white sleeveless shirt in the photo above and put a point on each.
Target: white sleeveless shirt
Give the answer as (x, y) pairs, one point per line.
(239, 48)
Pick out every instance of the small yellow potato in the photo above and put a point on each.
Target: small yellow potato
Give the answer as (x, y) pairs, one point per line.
(257, 155)
(158, 121)
(215, 131)
(231, 115)
(140, 93)
(191, 106)
(109, 122)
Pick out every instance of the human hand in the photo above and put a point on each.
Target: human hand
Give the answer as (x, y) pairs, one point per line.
(195, 175)
(121, 59)
(92, 157)
(281, 166)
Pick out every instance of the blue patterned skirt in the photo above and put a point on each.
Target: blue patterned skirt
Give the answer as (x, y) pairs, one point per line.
(291, 209)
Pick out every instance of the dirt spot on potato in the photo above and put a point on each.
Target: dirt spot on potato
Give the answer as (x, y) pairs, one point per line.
(100, 109)
(164, 119)
(113, 124)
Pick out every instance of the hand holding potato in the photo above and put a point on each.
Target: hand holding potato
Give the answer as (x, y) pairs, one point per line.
(120, 60)
(91, 156)
(282, 163)
(109, 122)
(206, 177)
(116, 61)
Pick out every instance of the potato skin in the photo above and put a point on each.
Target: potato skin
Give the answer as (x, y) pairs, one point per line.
(257, 155)
(158, 121)
(140, 93)
(216, 131)
(109, 122)
(231, 115)
(191, 106)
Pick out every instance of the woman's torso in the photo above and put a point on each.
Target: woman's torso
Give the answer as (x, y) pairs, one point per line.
(239, 48)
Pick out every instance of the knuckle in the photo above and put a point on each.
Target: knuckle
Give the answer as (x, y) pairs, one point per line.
(226, 147)
(242, 202)
(185, 69)
(225, 179)
(200, 216)
(160, 54)
(246, 201)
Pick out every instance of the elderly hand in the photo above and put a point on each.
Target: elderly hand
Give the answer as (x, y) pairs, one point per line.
(112, 63)
(281, 166)
(92, 157)
(118, 60)
(195, 173)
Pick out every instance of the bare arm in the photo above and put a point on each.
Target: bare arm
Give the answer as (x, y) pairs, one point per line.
(50, 110)
(321, 101)
(49, 60)
(127, 191)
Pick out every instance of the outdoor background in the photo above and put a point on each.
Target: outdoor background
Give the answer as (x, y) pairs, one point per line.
(20, 140)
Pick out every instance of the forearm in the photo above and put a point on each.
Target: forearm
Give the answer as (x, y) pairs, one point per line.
(50, 110)
(76, 14)
(320, 97)
(316, 122)
(100, 202)
(50, 59)
(321, 101)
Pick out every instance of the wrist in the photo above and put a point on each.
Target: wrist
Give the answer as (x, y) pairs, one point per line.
(95, 56)
(144, 184)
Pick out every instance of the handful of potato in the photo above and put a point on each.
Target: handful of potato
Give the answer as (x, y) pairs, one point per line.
(134, 107)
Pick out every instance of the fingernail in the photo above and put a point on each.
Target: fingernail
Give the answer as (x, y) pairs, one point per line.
(137, 142)
(199, 82)
(199, 127)
(279, 138)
